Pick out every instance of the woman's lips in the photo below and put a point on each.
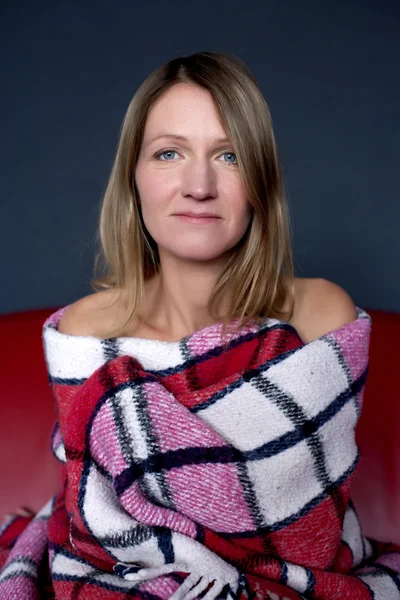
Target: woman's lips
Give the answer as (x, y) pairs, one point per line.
(198, 220)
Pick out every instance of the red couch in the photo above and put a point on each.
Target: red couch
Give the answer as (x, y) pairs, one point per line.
(29, 473)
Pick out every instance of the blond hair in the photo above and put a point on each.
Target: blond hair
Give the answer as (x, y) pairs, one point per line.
(259, 276)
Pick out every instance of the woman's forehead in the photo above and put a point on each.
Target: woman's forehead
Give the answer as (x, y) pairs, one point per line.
(185, 111)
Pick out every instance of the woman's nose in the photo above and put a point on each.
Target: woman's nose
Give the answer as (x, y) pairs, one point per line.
(199, 179)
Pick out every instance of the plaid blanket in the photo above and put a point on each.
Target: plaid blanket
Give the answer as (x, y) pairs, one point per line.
(203, 469)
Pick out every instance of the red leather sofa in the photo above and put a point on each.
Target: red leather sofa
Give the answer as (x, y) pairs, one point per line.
(29, 474)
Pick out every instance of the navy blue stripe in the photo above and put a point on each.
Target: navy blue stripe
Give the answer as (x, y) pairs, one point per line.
(63, 381)
(164, 539)
(200, 533)
(283, 576)
(33, 578)
(310, 582)
(128, 537)
(176, 458)
(110, 348)
(25, 560)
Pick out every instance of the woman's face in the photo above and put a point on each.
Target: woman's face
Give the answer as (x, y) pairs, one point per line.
(196, 172)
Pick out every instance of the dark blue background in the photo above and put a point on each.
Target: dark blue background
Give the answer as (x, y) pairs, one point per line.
(329, 72)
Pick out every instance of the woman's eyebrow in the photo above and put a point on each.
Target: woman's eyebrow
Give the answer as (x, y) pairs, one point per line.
(183, 138)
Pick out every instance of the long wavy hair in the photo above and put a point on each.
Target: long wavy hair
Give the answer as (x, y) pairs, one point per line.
(258, 278)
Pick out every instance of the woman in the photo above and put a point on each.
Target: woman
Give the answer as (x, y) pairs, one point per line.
(196, 466)
(169, 275)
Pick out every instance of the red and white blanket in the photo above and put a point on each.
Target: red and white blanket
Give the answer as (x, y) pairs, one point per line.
(203, 469)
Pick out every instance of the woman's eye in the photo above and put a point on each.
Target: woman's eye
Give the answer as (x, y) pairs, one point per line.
(230, 154)
(165, 152)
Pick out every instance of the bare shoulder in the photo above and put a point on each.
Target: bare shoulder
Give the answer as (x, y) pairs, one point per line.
(322, 306)
(84, 316)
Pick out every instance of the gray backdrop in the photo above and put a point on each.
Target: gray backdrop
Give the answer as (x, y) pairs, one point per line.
(329, 72)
